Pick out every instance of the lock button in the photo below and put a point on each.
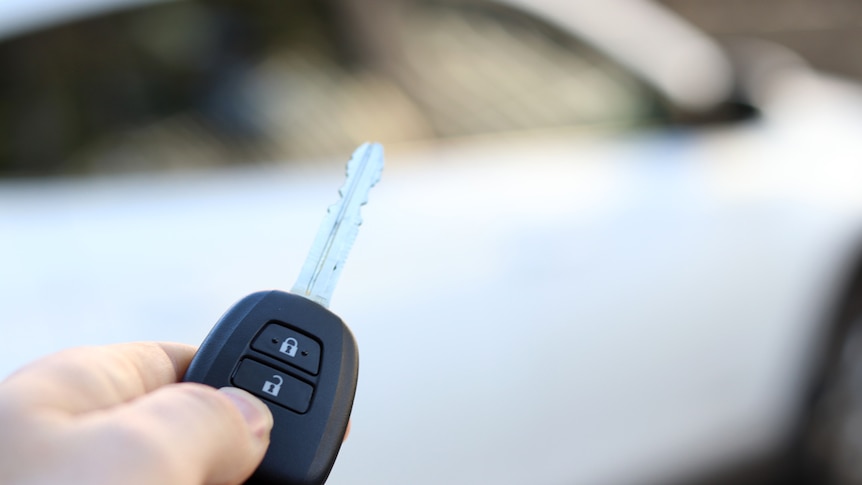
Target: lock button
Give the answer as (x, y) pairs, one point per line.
(289, 346)
(273, 385)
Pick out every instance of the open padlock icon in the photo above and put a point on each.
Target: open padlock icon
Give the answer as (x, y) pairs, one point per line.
(273, 388)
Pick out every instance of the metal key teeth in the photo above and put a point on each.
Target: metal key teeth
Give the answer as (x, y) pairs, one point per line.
(362, 164)
(338, 231)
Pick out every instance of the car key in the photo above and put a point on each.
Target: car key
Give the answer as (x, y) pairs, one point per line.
(292, 352)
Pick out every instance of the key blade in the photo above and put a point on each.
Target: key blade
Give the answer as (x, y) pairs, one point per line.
(335, 237)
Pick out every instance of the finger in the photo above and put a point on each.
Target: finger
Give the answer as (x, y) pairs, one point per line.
(89, 378)
(183, 433)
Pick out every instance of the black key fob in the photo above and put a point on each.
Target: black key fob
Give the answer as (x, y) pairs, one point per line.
(302, 361)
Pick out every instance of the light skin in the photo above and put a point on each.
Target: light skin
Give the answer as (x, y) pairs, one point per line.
(117, 414)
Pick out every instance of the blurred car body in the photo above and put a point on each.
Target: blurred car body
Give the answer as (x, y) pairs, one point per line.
(559, 305)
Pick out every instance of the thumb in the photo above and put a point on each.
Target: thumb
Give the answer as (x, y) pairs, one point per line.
(192, 434)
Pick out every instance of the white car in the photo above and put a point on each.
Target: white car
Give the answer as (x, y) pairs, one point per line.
(547, 303)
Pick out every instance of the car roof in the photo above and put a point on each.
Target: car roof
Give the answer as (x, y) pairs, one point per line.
(657, 45)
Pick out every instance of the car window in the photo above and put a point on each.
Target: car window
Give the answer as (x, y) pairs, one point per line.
(198, 84)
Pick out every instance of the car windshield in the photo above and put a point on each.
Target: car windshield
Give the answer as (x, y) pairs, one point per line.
(199, 84)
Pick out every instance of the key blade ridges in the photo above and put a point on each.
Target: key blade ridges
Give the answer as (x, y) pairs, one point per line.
(338, 231)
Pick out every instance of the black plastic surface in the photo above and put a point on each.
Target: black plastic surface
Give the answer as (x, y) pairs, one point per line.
(303, 446)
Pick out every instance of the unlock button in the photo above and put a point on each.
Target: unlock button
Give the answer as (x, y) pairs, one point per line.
(273, 385)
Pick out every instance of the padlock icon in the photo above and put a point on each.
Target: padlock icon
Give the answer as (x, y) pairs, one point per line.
(273, 388)
(289, 347)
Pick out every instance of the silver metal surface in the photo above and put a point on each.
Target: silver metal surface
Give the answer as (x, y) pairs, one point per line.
(322, 268)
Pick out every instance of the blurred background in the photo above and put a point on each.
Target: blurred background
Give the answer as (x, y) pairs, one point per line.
(616, 241)
(820, 31)
(187, 84)
(202, 84)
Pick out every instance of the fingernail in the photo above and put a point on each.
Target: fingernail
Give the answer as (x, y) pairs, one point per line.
(255, 412)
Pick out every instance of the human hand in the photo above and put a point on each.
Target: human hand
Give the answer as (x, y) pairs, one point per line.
(116, 415)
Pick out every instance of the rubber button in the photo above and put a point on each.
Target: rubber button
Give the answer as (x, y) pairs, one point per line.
(273, 385)
(289, 346)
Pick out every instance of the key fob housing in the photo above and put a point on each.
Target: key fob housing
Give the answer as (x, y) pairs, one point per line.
(302, 361)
